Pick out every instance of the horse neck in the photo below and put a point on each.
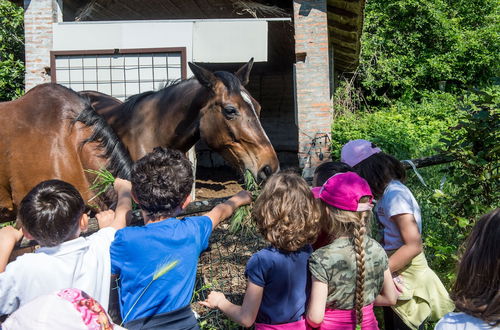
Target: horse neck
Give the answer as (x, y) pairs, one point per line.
(169, 117)
(180, 107)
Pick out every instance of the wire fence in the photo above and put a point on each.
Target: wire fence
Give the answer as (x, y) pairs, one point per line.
(222, 268)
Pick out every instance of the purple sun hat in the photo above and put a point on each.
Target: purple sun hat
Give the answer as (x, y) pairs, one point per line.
(355, 151)
(343, 191)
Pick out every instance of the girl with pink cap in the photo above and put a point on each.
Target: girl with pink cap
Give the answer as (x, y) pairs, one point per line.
(423, 295)
(350, 274)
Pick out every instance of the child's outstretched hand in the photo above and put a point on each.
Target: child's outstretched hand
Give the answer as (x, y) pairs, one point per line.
(10, 235)
(213, 300)
(242, 198)
(105, 218)
(122, 185)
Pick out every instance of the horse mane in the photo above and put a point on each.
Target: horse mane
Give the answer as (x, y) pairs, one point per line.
(229, 80)
(119, 161)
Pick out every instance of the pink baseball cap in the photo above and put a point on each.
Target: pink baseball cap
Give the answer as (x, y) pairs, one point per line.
(343, 191)
(355, 151)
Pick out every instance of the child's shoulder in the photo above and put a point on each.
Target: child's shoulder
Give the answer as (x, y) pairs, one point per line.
(339, 249)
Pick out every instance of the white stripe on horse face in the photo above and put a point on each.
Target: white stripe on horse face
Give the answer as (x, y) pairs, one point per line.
(248, 100)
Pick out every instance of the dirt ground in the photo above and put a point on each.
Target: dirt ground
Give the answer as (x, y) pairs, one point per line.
(216, 182)
(222, 266)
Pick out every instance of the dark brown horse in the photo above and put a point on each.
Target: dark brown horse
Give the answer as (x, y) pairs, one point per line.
(214, 107)
(54, 133)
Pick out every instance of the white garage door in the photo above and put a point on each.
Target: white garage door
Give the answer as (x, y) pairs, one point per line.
(118, 73)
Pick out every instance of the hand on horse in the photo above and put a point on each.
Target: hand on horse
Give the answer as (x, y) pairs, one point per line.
(105, 218)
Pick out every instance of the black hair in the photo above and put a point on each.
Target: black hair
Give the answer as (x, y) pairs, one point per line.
(328, 169)
(51, 211)
(229, 80)
(161, 181)
(379, 169)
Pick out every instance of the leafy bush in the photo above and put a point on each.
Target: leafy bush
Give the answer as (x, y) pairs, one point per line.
(11, 51)
(405, 129)
(411, 46)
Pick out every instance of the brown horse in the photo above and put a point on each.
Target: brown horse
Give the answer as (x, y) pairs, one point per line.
(214, 107)
(54, 133)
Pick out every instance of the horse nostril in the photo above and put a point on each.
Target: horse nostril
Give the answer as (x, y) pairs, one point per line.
(265, 172)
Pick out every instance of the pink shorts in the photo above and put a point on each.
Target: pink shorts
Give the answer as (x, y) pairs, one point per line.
(341, 319)
(298, 325)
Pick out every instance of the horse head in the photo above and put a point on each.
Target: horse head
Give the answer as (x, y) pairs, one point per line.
(229, 122)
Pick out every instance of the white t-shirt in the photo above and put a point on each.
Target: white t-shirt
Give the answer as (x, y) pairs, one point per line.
(462, 321)
(82, 263)
(397, 199)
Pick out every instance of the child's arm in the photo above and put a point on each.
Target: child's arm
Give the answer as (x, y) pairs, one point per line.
(317, 303)
(245, 314)
(9, 236)
(389, 294)
(411, 238)
(118, 218)
(123, 189)
(224, 210)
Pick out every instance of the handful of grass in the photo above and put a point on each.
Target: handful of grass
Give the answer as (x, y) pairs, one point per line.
(103, 180)
(242, 220)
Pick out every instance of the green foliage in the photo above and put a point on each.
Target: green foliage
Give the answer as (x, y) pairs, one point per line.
(242, 220)
(11, 51)
(104, 180)
(405, 129)
(411, 46)
(474, 143)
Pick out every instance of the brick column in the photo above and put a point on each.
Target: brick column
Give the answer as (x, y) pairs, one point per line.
(38, 18)
(314, 111)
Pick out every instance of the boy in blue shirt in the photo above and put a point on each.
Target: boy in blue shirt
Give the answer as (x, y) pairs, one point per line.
(161, 186)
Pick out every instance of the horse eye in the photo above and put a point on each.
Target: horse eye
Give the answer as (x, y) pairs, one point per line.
(230, 111)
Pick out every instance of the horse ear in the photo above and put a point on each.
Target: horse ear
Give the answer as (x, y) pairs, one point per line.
(243, 73)
(205, 77)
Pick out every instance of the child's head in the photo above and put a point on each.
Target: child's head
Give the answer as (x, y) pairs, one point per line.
(375, 166)
(52, 212)
(161, 182)
(346, 209)
(477, 287)
(286, 213)
(346, 203)
(326, 170)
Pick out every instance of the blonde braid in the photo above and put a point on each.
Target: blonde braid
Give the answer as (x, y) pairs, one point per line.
(359, 232)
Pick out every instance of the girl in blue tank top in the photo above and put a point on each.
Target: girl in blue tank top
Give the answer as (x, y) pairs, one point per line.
(287, 216)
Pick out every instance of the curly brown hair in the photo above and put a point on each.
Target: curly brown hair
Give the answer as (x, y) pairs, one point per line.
(286, 213)
(477, 289)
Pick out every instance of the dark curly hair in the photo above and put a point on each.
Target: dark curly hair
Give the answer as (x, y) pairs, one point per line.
(286, 213)
(161, 181)
(51, 212)
(380, 169)
(477, 288)
(328, 169)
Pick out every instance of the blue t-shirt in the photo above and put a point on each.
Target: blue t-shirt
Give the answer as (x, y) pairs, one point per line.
(285, 279)
(138, 252)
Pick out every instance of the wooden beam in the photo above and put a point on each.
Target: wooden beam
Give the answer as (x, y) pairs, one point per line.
(342, 12)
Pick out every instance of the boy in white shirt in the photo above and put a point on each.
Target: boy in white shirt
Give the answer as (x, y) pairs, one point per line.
(52, 213)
